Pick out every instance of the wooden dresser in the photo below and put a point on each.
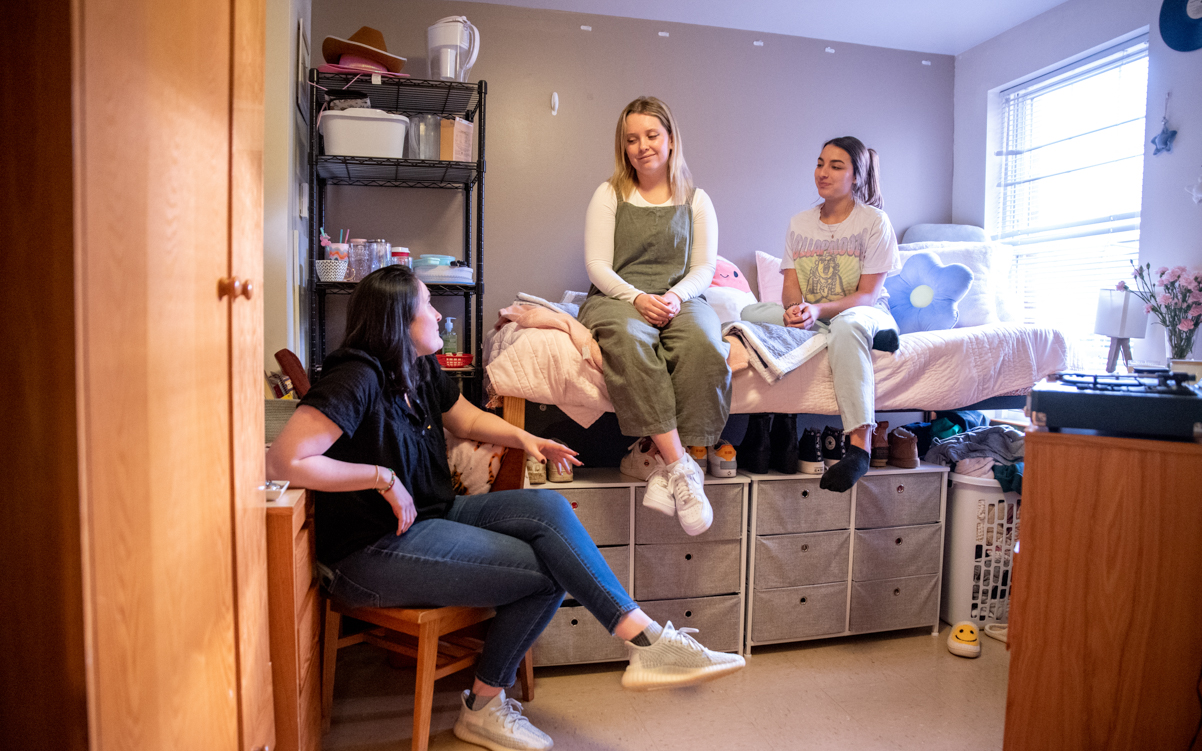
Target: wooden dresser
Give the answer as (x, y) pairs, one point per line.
(294, 612)
(1103, 646)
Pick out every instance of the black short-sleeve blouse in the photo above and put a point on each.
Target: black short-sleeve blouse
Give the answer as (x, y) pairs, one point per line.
(378, 427)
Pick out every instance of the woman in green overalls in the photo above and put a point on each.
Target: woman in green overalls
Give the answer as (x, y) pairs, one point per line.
(651, 246)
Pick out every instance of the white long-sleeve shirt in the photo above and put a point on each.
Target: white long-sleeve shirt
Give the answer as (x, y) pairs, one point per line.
(599, 222)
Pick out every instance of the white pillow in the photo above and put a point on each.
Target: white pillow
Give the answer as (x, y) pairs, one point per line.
(728, 302)
(767, 268)
(990, 299)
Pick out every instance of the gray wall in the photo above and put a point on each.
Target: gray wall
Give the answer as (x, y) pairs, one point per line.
(752, 121)
(1171, 223)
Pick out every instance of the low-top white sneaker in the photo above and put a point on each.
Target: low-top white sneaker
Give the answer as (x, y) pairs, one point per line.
(658, 495)
(676, 659)
(687, 483)
(499, 725)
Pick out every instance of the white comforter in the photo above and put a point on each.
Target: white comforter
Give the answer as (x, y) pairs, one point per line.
(931, 370)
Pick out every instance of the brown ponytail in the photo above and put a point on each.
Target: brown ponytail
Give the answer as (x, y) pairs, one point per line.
(866, 169)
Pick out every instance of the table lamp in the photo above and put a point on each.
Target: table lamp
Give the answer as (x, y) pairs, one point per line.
(1121, 317)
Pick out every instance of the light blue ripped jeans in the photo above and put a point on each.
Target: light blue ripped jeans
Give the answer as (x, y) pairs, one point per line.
(849, 349)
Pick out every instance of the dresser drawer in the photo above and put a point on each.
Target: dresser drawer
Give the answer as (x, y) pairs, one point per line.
(787, 506)
(618, 558)
(894, 603)
(796, 560)
(798, 612)
(898, 499)
(715, 618)
(574, 635)
(697, 569)
(309, 712)
(727, 501)
(604, 512)
(308, 633)
(302, 557)
(892, 552)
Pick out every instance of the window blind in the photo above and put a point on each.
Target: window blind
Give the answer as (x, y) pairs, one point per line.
(1071, 182)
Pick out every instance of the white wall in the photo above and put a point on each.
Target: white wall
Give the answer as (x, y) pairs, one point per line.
(284, 169)
(1171, 223)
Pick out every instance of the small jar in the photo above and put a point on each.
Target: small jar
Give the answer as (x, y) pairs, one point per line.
(400, 256)
(381, 252)
(360, 261)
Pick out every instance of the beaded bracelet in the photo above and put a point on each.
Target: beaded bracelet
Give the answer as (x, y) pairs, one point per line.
(391, 481)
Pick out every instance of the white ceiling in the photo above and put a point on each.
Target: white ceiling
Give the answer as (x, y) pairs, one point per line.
(946, 27)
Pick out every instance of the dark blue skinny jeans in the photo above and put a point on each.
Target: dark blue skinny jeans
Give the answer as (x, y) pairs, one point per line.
(517, 551)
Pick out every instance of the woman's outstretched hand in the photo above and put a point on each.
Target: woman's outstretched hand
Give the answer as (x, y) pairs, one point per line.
(402, 505)
(552, 452)
(657, 309)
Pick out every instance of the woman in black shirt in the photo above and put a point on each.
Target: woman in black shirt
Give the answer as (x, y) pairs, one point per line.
(368, 437)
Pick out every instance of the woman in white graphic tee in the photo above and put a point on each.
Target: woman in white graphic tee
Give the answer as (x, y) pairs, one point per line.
(834, 266)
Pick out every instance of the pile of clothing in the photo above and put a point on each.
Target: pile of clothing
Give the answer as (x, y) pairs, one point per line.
(965, 441)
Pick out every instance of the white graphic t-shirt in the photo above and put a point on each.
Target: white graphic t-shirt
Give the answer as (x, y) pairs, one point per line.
(829, 258)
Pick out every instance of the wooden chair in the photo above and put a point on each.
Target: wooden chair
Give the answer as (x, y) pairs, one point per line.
(440, 641)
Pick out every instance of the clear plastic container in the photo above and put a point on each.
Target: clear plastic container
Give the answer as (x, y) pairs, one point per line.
(360, 261)
(381, 251)
(401, 257)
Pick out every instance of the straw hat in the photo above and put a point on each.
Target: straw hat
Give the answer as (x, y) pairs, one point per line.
(366, 42)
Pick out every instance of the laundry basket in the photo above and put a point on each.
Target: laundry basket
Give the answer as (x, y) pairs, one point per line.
(982, 532)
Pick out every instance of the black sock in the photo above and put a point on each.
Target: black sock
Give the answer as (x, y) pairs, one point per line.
(844, 473)
(648, 636)
(886, 340)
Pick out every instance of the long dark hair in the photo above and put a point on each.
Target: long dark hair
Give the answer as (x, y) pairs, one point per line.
(866, 186)
(378, 316)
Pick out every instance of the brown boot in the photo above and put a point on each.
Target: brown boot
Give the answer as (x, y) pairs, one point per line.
(880, 445)
(903, 449)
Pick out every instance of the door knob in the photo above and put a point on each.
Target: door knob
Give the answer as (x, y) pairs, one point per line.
(235, 287)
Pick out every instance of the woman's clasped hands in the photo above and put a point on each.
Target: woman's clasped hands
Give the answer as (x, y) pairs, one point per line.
(801, 316)
(657, 309)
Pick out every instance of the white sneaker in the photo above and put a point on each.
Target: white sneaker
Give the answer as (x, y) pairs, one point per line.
(658, 495)
(722, 460)
(499, 725)
(676, 659)
(639, 461)
(687, 483)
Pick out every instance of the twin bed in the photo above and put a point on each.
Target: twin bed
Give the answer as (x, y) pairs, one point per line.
(992, 365)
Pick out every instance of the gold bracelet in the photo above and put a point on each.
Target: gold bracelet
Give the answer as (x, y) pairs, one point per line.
(376, 482)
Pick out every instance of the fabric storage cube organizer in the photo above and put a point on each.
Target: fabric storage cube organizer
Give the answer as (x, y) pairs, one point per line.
(364, 132)
(982, 534)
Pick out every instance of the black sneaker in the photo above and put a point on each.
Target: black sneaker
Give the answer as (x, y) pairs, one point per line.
(753, 451)
(783, 438)
(809, 452)
(832, 445)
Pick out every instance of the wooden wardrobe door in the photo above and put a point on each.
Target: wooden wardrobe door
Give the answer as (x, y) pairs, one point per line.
(246, 375)
(153, 142)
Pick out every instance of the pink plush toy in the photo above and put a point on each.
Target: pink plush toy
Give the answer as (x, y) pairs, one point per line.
(728, 275)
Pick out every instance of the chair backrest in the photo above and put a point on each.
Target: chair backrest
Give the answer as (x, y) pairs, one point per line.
(291, 365)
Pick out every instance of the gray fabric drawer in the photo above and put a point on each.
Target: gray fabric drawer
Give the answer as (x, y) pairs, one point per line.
(798, 612)
(727, 501)
(618, 558)
(890, 552)
(796, 560)
(715, 618)
(894, 603)
(787, 506)
(697, 569)
(895, 500)
(604, 512)
(574, 635)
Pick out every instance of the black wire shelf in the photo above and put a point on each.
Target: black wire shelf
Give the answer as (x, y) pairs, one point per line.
(436, 290)
(396, 173)
(408, 96)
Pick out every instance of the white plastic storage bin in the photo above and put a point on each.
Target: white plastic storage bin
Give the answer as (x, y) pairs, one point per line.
(982, 531)
(364, 132)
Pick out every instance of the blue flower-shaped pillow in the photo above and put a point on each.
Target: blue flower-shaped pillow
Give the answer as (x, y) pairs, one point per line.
(923, 296)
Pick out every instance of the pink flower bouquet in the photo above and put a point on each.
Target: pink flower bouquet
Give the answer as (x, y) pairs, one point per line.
(1175, 298)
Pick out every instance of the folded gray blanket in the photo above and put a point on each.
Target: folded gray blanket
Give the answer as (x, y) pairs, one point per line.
(1001, 443)
(773, 351)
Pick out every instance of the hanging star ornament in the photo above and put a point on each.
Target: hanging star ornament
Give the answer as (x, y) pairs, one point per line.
(1164, 139)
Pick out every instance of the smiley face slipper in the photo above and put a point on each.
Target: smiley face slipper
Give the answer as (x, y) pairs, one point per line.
(964, 641)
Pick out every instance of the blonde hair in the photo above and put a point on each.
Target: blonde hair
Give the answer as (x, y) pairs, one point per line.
(680, 180)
